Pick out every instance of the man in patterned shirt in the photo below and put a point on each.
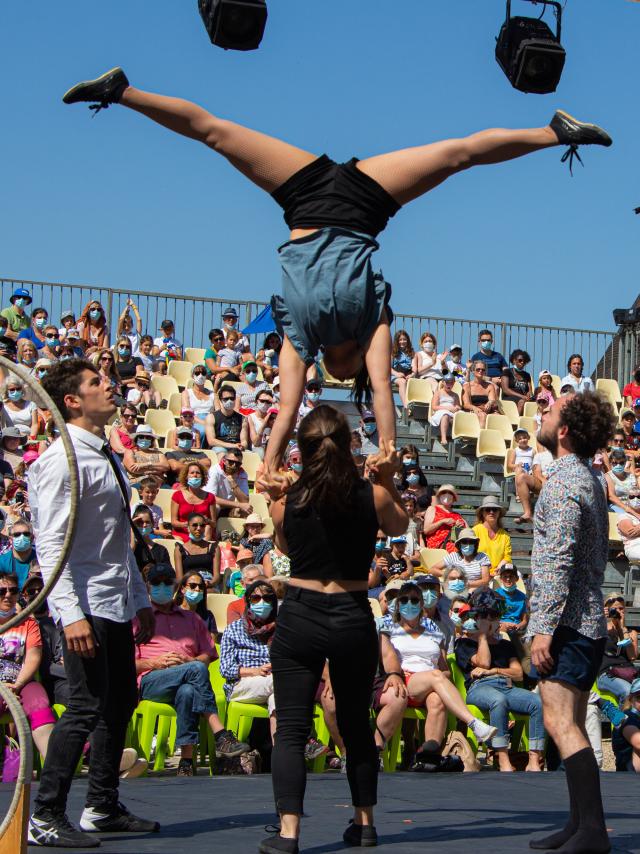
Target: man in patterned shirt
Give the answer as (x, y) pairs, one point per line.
(567, 623)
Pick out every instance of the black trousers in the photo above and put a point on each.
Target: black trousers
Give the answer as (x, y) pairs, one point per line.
(311, 628)
(102, 694)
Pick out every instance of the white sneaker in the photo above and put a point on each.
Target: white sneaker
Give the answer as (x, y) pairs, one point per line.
(481, 730)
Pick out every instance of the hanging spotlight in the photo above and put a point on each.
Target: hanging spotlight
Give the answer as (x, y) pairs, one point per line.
(234, 24)
(529, 53)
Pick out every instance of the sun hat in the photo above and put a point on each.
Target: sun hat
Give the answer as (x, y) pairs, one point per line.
(244, 554)
(254, 519)
(447, 487)
(145, 430)
(467, 534)
(20, 293)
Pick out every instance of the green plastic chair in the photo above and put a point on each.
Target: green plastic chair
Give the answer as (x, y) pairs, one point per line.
(240, 717)
(146, 717)
(318, 765)
(207, 743)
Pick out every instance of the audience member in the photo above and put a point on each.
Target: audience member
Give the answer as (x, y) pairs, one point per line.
(276, 563)
(67, 322)
(631, 438)
(622, 486)
(579, 383)
(444, 405)
(402, 354)
(515, 611)
(230, 321)
(21, 559)
(475, 564)
(17, 411)
(545, 389)
(216, 343)
(92, 326)
(199, 398)
(73, 340)
(125, 326)
(27, 353)
(141, 394)
(149, 487)
(625, 739)
(145, 459)
(398, 564)
(229, 483)
(42, 367)
(414, 528)
(191, 595)
(126, 363)
(414, 481)
(520, 461)
(495, 362)
(617, 670)
(145, 352)
(123, 431)
(174, 667)
(226, 428)
(436, 606)
(268, 357)
(196, 554)
(35, 332)
(260, 422)
(456, 367)
(441, 523)
(51, 348)
(185, 420)
(631, 391)
(493, 540)
(185, 453)
(356, 450)
(166, 346)
(516, 382)
(368, 432)
(190, 497)
(105, 362)
(17, 319)
(12, 446)
(313, 393)
(479, 395)
(228, 360)
(250, 386)
(255, 537)
(145, 549)
(238, 581)
(427, 363)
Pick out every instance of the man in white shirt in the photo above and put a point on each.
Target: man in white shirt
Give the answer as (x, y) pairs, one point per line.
(229, 483)
(167, 345)
(97, 595)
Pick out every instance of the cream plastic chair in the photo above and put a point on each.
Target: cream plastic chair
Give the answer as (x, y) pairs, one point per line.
(419, 391)
(331, 381)
(163, 500)
(611, 390)
(529, 424)
(180, 371)
(502, 424)
(530, 409)
(250, 463)
(429, 557)
(510, 410)
(135, 497)
(175, 404)
(160, 420)
(491, 444)
(259, 504)
(218, 603)
(614, 534)
(465, 426)
(194, 354)
(165, 385)
(555, 382)
(375, 607)
(170, 546)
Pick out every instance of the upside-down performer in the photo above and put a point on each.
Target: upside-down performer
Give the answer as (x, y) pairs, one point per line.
(330, 293)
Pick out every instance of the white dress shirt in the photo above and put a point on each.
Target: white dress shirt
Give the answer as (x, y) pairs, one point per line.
(101, 577)
(218, 485)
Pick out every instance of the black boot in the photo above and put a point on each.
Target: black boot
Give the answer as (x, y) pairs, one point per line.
(104, 90)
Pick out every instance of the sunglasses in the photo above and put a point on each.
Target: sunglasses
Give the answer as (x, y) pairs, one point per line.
(106, 359)
(479, 370)
(193, 585)
(391, 595)
(231, 463)
(223, 399)
(259, 597)
(199, 373)
(218, 338)
(33, 591)
(195, 524)
(616, 601)
(128, 417)
(455, 610)
(490, 509)
(11, 591)
(404, 600)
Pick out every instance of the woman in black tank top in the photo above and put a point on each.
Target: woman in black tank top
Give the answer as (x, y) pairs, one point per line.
(327, 524)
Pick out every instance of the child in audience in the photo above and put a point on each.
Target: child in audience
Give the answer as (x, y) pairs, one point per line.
(148, 493)
(231, 358)
(625, 739)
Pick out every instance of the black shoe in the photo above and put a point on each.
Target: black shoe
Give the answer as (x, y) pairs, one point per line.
(56, 831)
(228, 746)
(570, 131)
(118, 821)
(278, 845)
(360, 836)
(185, 768)
(104, 90)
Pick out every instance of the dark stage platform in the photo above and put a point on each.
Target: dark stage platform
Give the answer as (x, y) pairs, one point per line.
(478, 813)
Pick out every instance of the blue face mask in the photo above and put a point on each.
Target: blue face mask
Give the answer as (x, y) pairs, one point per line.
(41, 374)
(194, 482)
(124, 351)
(410, 610)
(370, 428)
(20, 302)
(195, 538)
(407, 461)
(65, 356)
(143, 443)
(356, 452)
(10, 613)
(618, 468)
(392, 606)
(185, 444)
(296, 467)
(21, 542)
(429, 597)
(161, 594)
(261, 610)
(15, 394)
(455, 619)
(41, 322)
(380, 544)
(194, 596)
(146, 530)
(486, 345)
(470, 625)
(95, 313)
(467, 549)
(51, 342)
(456, 586)
(313, 396)
(413, 479)
(251, 376)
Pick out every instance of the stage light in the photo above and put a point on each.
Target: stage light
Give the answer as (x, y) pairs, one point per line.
(234, 24)
(529, 53)
(622, 316)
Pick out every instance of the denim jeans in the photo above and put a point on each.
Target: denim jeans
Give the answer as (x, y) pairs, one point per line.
(616, 686)
(187, 688)
(494, 695)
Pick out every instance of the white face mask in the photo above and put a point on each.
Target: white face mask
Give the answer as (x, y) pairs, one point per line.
(262, 407)
(428, 347)
(228, 404)
(199, 379)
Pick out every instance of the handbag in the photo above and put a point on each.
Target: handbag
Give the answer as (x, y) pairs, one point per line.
(11, 761)
(628, 673)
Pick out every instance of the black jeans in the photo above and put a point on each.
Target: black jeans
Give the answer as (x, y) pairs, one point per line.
(102, 696)
(311, 628)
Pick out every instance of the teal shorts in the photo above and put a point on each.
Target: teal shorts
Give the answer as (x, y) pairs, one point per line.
(330, 293)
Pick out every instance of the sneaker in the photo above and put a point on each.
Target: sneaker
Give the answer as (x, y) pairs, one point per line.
(228, 746)
(314, 748)
(104, 90)
(360, 836)
(185, 768)
(120, 820)
(56, 831)
(481, 730)
(612, 713)
(570, 131)
(278, 844)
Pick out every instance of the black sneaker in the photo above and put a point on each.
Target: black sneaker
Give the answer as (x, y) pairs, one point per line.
(56, 831)
(118, 821)
(570, 131)
(360, 836)
(104, 90)
(314, 748)
(228, 746)
(278, 845)
(185, 768)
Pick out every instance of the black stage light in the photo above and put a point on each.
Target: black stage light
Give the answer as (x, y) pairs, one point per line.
(622, 316)
(234, 24)
(529, 53)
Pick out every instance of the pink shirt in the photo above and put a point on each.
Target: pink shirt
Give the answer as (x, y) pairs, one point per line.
(180, 631)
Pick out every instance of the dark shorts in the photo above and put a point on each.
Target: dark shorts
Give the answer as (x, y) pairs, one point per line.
(576, 658)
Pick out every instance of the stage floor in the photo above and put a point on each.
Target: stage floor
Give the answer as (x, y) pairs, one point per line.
(486, 812)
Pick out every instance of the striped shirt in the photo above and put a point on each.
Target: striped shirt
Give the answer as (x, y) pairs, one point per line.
(238, 649)
(570, 549)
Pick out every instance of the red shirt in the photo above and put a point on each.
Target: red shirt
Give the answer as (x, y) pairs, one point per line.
(180, 631)
(631, 390)
(185, 509)
(235, 610)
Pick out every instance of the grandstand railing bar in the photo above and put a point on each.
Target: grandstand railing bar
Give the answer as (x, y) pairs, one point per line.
(605, 353)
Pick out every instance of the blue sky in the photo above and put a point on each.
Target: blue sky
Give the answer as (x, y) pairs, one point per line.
(120, 202)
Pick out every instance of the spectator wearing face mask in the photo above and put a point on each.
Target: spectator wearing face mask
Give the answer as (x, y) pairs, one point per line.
(12, 447)
(427, 364)
(493, 540)
(398, 564)
(21, 558)
(199, 398)
(196, 554)
(51, 349)
(457, 609)
(368, 433)
(268, 358)
(515, 614)
(35, 332)
(166, 346)
(229, 322)
(441, 523)
(456, 367)
(191, 595)
(494, 361)
(414, 481)
(229, 483)
(17, 318)
(27, 354)
(255, 537)
(191, 497)
(313, 393)
(185, 453)
(145, 458)
(622, 486)
(356, 451)
(261, 422)
(250, 387)
(467, 556)
(444, 405)
(436, 607)
(92, 325)
(128, 365)
(226, 428)
(17, 411)
(631, 392)
(150, 552)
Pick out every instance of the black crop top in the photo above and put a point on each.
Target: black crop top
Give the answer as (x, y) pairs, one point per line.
(325, 193)
(334, 546)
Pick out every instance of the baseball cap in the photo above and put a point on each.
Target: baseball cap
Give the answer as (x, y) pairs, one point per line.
(313, 384)
(72, 332)
(167, 324)
(544, 373)
(636, 402)
(426, 578)
(160, 572)
(367, 415)
(11, 433)
(248, 363)
(68, 312)
(401, 539)
(186, 411)
(626, 412)
(184, 431)
(525, 431)
(455, 347)
(507, 567)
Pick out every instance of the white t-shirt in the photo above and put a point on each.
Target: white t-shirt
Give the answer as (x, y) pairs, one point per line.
(417, 654)
(544, 460)
(472, 569)
(171, 342)
(580, 385)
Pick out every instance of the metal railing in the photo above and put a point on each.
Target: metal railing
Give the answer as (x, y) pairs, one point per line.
(605, 353)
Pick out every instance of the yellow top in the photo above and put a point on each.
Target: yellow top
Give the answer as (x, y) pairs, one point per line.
(496, 549)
